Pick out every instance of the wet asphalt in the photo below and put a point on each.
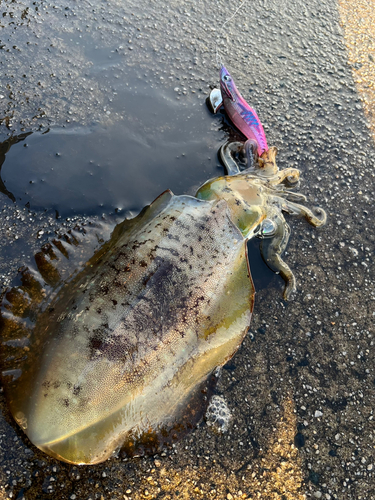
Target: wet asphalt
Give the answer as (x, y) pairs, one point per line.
(301, 387)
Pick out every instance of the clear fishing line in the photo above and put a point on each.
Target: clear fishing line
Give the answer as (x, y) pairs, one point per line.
(219, 60)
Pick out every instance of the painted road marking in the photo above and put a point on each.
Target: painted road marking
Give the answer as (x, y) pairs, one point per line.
(357, 19)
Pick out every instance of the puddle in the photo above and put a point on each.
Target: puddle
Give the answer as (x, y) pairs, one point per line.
(158, 143)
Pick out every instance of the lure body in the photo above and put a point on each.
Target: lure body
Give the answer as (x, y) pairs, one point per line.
(243, 116)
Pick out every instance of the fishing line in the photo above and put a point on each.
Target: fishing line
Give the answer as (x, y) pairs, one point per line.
(219, 60)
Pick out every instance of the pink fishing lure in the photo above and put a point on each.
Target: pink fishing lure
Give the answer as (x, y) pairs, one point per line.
(241, 114)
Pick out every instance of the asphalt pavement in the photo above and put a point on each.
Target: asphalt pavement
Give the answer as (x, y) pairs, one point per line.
(301, 387)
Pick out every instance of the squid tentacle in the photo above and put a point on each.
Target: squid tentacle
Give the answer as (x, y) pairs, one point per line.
(272, 249)
(297, 209)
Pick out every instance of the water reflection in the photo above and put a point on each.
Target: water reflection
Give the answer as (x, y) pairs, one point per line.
(95, 169)
(4, 149)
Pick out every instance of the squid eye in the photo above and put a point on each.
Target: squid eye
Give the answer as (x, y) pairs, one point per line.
(268, 228)
(227, 78)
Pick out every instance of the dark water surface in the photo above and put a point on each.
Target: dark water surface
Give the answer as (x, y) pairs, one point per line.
(158, 143)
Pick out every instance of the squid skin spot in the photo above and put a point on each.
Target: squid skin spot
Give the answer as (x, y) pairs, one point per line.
(143, 263)
(66, 402)
(114, 302)
(171, 237)
(171, 250)
(96, 343)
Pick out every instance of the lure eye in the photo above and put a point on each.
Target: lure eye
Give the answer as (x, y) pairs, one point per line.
(227, 78)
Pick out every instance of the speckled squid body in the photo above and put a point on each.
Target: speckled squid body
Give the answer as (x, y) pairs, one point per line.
(123, 346)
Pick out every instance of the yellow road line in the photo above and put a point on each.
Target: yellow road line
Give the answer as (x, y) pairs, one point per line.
(279, 472)
(274, 474)
(357, 18)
